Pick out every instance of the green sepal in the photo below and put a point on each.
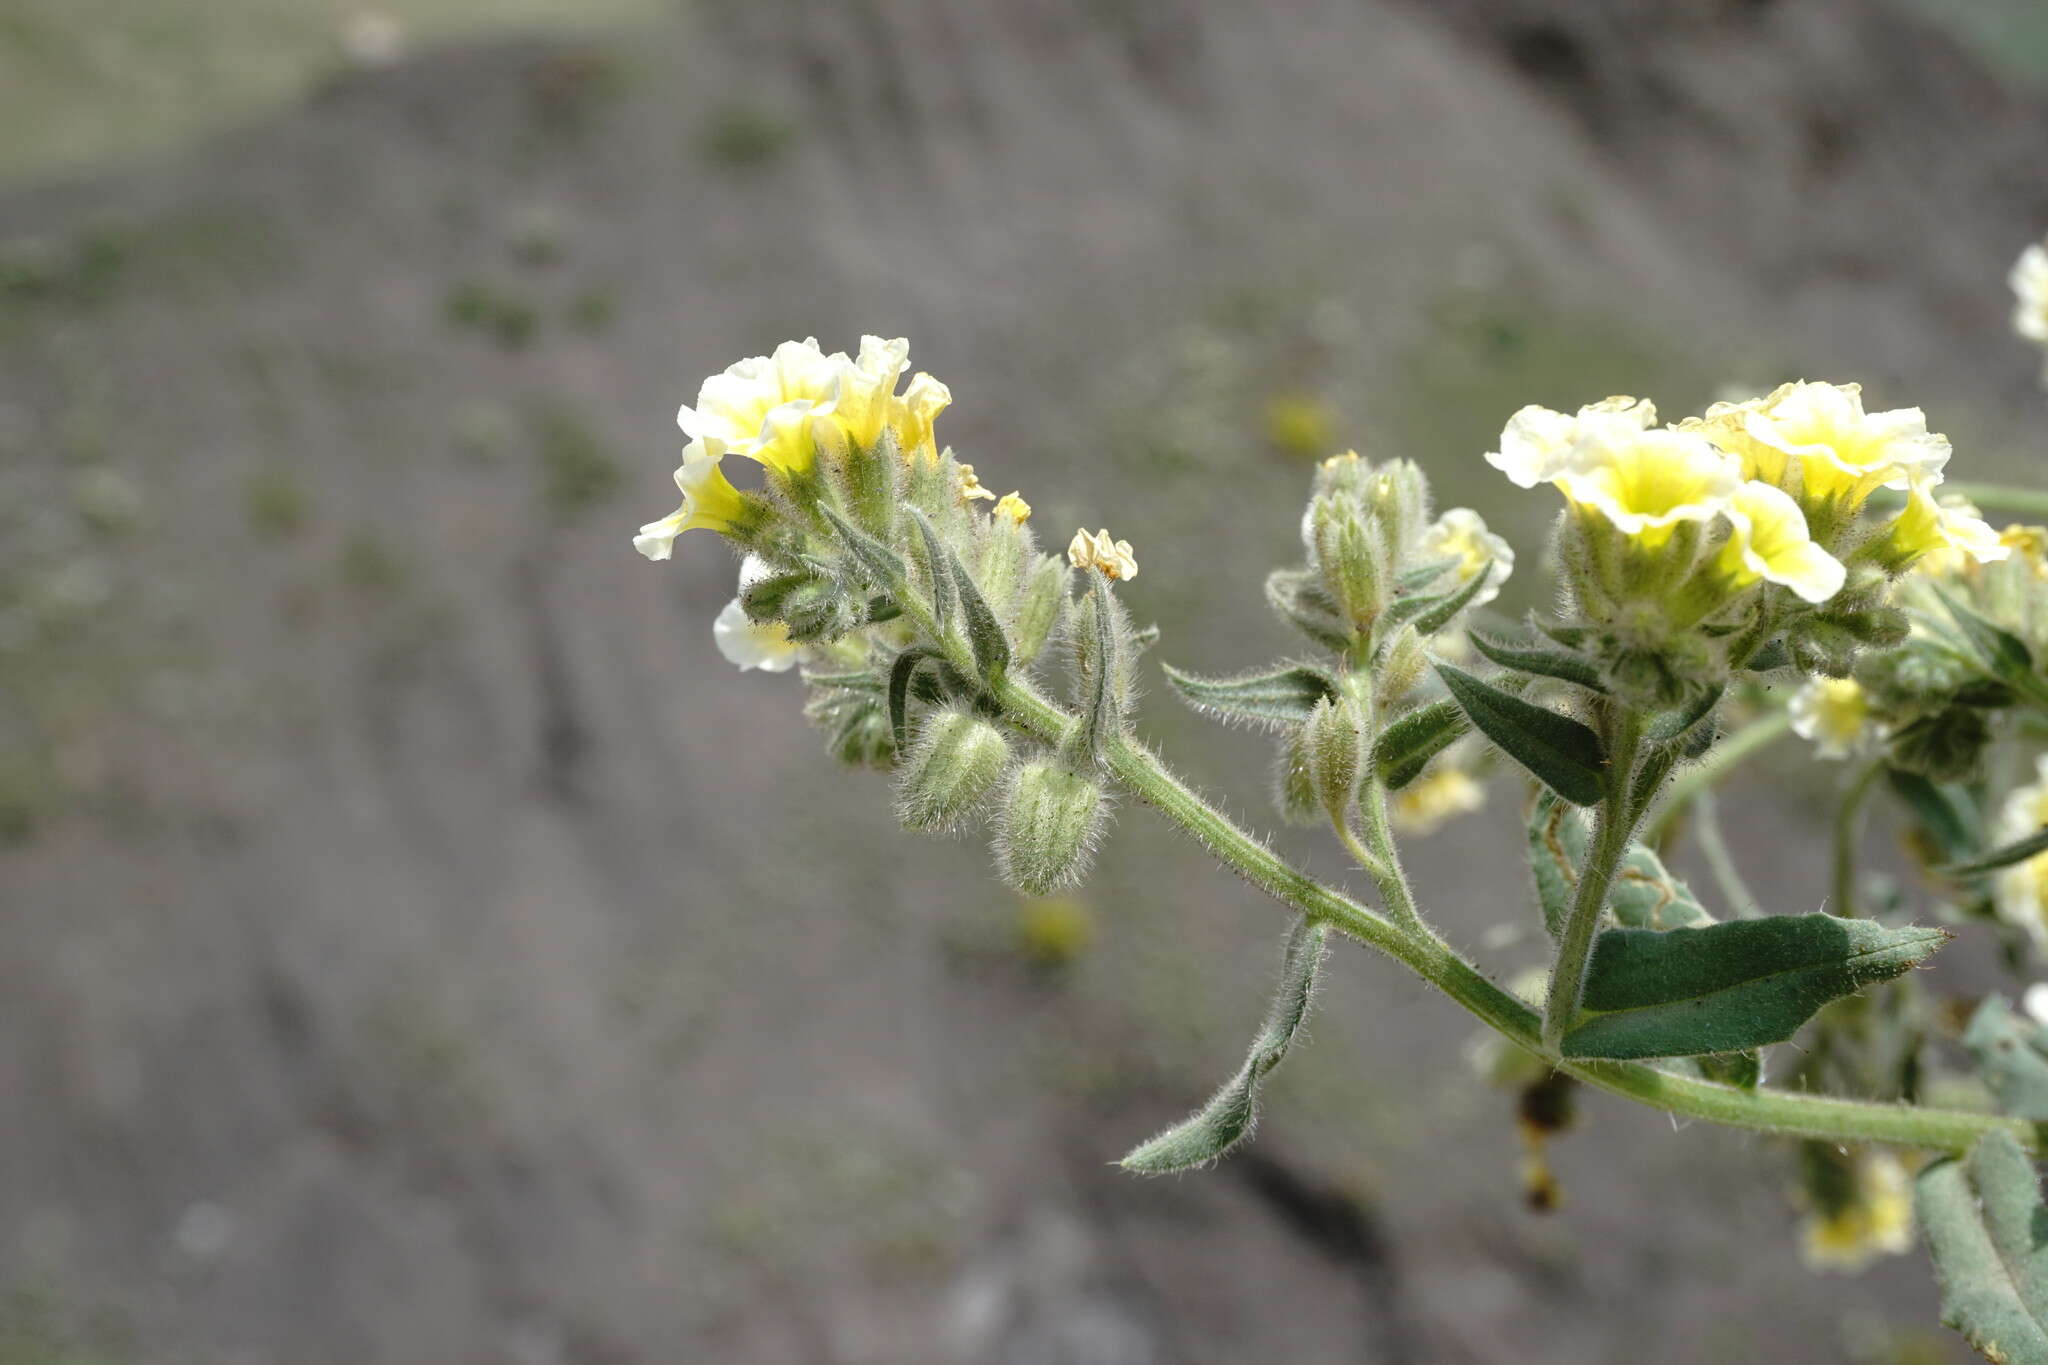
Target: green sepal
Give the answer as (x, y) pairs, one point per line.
(984, 632)
(1282, 696)
(2011, 1053)
(1727, 987)
(1541, 661)
(900, 675)
(1100, 702)
(1563, 754)
(1770, 656)
(938, 569)
(1228, 1117)
(1980, 1214)
(847, 682)
(1676, 725)
(2004, 653)
(1299, 598)
(2018, 851)
(1406, 745)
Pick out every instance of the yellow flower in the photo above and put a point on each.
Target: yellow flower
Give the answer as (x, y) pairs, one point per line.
(863, 391)
(761, 406)
(1948, 530)
(1835, 714)
(1840, 451)
(1298, 424)
(1098, 551)
(1536, 445)
(1012, 506)
(1461, 533)
(1646, 483)
(1439, 796)
(970, 486)
(2029, 280)
(709, 500)
(912, 415)
(2021, 892)
(1769, 540)
(1877, 1220)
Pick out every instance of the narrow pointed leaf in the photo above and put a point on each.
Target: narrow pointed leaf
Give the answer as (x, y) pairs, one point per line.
(2005, 653)
(1405, 747)
(1562, 753)
(938, 568)
(1980, 1214)
(2018, 851)
(1945, 817)
(850, 682)
(2011, 1053)
(900, 675)
(1540, 660)
(1431, 614)
(984, 632)
(1422, 575)
(1279, 697)
(1677, 724)
(881, 563)
(1769, 657)
(1228, 1117)
(1727, 987)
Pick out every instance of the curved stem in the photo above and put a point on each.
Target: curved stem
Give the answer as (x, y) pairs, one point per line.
(1611, 830)
(1848, 819)
(1703, 775)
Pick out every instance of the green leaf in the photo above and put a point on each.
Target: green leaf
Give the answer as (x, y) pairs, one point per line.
(938, 570)
(1296, 595)
(1675, 725)
(1557, 845)
(1432, 614)
(881, 563)
(1643, 894)
(2011, 1053)
(1948, 822)
(2018, 851)
(1279, 697)
(984, 632)
(1563, 754)
(1982, 1216)
(1422, 575)
(1727, 987)
(1540, 660)
(1743, 1069)
(900, 675)
(1229, 1115)
(847, 682)
(1406, 745)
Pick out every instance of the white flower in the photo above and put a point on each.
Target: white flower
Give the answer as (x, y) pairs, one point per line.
(2035, 1001)
(2021, 892)
(1835, 714)
(2029, 280)
(1461, 533)
(1770, 540)
(754, 644)
(1536, 445)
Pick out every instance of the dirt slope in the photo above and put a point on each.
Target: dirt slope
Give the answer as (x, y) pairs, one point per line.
(422, 947)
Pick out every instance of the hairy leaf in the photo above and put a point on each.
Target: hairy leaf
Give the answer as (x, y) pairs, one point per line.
(881, 563)
(1279, 697)
(1982, 1216)
(1727, 987)
(2018, 851)
(1431, 614)
(984, 632)
(1562, 753)
(1947, 818)
(938, 568)
(1407, 744)
(2011, 1053)
(1643, 894)
(1540, 660)
(1229, 1115)
(901, 674)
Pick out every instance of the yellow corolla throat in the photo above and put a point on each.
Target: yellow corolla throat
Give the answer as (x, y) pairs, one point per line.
(864, 390)
(761, 407)
(1843, 453)
(710, 502)
(1768, 539)
(1647, 483)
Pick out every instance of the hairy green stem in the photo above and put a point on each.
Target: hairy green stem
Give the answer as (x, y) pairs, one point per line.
(1710, 770)
(1612, 827)
(1848, 819)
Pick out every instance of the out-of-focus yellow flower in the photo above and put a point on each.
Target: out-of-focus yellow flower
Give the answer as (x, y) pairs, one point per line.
(1536, 445)
(1012, 506)
(970, 486)
(1946, 531)
(2021, 892)
(1647, 483)
(709, 500)
(1299, 424)
(2029, 544)
(1840, 451)
(1876, 1220)
(1835, 714)
(1461, 533)
(2029, 280)
(751, 644)
(1098, 551)
(1439, 796)
(1769, 540)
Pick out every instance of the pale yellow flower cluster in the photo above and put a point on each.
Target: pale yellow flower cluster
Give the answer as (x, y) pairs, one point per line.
(779, 410)
(1877, 1221)
(1461, 534)
(1444, 792)
(1835, 714)
(1098, 551)
(2021, 892)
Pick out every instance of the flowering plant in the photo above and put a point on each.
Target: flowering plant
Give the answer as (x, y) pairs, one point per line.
(1793, 545)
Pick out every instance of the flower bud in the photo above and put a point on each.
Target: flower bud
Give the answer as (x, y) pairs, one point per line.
(1350, 555)
(1333, 743)
(1402, 664)
(1038, 606)
(862, 738)
(958, 757)
(1292, 791)
(1399, 498)
(1048, 826)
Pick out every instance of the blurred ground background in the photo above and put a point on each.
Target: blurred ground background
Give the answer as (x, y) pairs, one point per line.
(421, 947)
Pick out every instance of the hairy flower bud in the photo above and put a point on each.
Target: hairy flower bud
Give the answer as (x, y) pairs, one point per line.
(1402, 665)
(1038, 606)
(1350, 555)
(1333, 743)
(957, 758)
(1292, 791)
(1399, 499)
(1047, 828)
